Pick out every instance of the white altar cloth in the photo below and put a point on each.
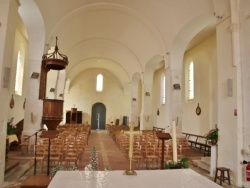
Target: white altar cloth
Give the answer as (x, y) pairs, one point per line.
(181, 178)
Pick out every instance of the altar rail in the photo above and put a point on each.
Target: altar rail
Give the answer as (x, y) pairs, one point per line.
(198, 141)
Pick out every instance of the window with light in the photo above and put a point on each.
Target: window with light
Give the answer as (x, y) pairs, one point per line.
(163, 89)
(19, 73)
(191, 81)
(99, 83)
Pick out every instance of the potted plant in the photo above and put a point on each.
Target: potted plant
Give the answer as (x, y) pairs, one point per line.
(182, 163)
(213, 135)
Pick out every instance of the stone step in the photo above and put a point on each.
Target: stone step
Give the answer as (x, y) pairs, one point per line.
(17, 172)
(206, 160)
(202, 165)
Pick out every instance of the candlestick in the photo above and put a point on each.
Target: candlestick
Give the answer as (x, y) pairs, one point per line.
(174, 141)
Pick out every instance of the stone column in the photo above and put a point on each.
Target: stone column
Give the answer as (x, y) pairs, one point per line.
(213, 160)
(236, 53)
(9, 17)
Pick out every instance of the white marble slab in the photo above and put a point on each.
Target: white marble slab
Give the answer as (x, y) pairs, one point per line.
(181, 178)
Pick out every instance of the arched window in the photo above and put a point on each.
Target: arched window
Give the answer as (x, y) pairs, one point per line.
(19, 73)
(191, 80)
(99, 83)
(163, 89)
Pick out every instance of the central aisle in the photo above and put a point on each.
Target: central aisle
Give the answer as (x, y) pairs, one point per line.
(109, 155)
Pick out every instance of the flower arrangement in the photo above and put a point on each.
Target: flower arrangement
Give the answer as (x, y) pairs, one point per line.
(58, 168)
(94, 159)
(11, 129)
(181, 163)
(213, 134)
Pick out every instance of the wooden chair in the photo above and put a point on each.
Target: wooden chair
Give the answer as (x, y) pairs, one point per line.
(70, 157)
(40, 155)
(23, 147)
(55, 157)
(151, 156)
(138, 158)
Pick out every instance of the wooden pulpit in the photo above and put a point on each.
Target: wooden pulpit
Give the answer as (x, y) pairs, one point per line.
(52, 108)
(163, 136)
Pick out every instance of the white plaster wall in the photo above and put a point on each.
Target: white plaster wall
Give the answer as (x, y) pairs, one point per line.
(83, 94)
(245, 49)
(246, 86)
(18, 112)
(9, 20)
(205, 88)
(227, 122)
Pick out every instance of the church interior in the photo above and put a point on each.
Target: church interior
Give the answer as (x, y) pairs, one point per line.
(85, 72)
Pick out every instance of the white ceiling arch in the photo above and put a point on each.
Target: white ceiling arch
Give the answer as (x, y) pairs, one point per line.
(100, 63)
(185, 35)
(117, 17)
(109, 31)
(103, 50)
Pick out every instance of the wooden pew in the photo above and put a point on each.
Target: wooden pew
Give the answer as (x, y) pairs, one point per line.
(198, 141)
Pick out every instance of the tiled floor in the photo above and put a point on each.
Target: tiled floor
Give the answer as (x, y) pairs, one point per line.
(109, 156)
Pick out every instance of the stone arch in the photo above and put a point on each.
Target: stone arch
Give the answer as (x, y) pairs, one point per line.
(175, 58)
(184, 36)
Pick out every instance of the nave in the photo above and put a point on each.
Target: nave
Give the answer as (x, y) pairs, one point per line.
(109, 156)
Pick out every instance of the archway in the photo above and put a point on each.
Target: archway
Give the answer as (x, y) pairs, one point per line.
(98, 116)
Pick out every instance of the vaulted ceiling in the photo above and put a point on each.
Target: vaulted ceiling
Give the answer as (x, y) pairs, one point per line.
(116, 35)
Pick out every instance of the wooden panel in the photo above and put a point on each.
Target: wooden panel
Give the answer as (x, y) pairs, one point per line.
(74, 117)
(79, 117)
(52, 113)
(68, 114)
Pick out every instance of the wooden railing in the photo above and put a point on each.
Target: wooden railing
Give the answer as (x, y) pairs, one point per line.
(198, 141)
(157, 129)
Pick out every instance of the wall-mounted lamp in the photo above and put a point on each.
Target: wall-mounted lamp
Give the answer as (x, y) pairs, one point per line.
(147, 94)
(134, 99)
(34, 75)
(52, 89)
(177, 86)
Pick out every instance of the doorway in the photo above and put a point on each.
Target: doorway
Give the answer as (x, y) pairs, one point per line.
(98, 117)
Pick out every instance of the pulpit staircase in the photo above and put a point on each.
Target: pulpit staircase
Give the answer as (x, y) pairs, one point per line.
(203, 163)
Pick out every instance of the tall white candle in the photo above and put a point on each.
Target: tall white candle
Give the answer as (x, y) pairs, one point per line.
(174, 141)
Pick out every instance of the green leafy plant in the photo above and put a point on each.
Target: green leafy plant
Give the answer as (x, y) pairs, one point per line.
(213, 134)
(182, 163)
(11, 129)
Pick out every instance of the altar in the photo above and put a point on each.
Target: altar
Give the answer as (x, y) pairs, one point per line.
(184, 178)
